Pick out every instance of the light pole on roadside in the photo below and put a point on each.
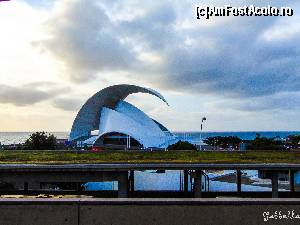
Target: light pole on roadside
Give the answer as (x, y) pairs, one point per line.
(203, 119)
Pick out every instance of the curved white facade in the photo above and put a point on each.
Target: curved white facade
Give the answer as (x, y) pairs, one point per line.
(117, 116)
(139, 116)
(87, 118)
(127, 119)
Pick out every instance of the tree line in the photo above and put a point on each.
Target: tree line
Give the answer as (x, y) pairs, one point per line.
(292, 142)
(45, 141)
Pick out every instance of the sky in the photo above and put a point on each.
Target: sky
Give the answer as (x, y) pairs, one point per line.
(241, 73)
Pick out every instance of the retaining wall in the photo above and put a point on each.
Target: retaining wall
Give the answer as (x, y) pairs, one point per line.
(148, 211)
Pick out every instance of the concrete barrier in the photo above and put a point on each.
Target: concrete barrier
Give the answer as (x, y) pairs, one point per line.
(149, 211)
(38, 212)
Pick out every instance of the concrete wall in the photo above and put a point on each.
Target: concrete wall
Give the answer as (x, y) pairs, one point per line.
(38, 213)
(145, 211)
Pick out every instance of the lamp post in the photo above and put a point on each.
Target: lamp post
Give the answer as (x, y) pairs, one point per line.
(203, 119)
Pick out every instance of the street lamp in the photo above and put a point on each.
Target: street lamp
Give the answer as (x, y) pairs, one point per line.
(203, 119)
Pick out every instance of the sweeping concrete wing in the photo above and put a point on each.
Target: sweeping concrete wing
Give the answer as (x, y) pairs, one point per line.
(129, 120)
(89, 116)
(139, 116)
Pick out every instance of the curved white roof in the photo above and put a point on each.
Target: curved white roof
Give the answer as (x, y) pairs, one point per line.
(127, 119)
(107, 112)
(87, 118)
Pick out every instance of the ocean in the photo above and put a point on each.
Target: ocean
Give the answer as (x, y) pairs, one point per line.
(7, 138)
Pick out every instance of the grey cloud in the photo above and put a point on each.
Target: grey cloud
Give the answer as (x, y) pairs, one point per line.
(279, 102)
(153, 29)
(228, 58)
(67, 104)
(82, 37)
(239, 64)
(30, 93)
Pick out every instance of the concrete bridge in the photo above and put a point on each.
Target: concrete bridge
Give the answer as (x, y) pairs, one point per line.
(30, 176)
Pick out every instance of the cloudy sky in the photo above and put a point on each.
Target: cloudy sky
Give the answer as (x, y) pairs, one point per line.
(242, 73)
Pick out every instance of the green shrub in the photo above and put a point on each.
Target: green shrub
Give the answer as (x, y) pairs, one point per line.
(41, 141)
(223, 142)
(293, 141)
(182, 145)
(263, 143)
